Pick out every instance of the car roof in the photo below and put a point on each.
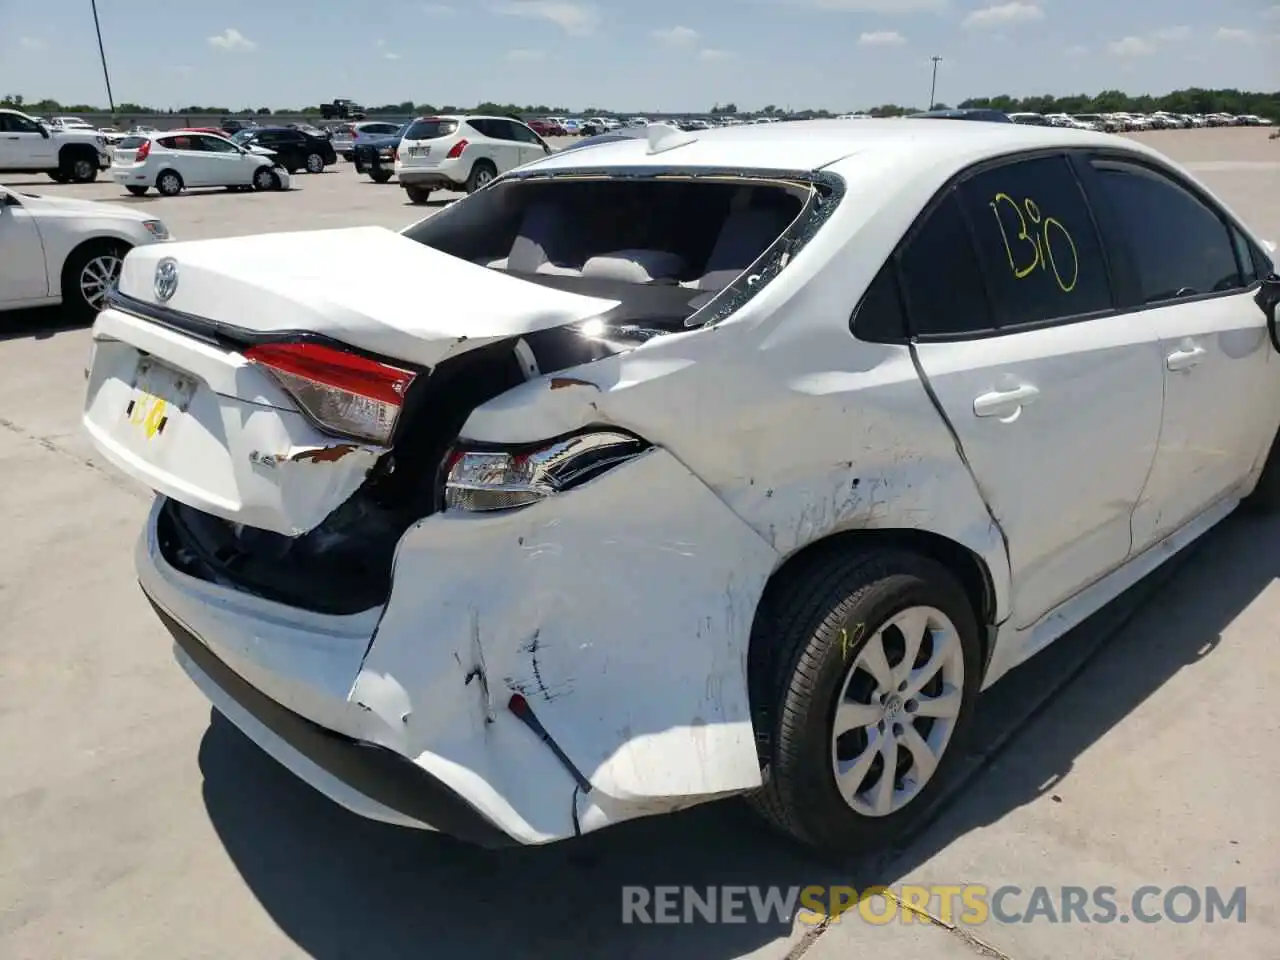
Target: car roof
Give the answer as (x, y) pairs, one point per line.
(806, 145)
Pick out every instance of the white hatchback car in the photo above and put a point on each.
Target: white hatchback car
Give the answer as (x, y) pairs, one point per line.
(59, 250)
(180, 159)
(462, 153)
(721, 463)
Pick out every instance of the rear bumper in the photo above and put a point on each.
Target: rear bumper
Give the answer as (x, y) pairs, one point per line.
(431, 179)
(367, 779)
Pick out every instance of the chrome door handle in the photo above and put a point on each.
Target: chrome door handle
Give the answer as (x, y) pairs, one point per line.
(1185, 359)
(1003, 403)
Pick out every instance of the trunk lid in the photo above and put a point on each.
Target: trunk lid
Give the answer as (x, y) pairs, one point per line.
(176, 408)
(367, 287)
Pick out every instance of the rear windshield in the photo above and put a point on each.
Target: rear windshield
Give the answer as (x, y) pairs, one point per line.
(662, 246)
(430, 129)
(131, 143)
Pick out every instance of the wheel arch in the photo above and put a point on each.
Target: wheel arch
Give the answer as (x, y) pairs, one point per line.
(970, 569)
(174, 170)
(75, 149)
(98, 239)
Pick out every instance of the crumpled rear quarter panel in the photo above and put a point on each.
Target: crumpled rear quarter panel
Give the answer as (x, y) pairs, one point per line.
(621, 610)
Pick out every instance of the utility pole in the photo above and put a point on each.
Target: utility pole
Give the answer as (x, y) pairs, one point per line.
(933, 87)
(103, 54)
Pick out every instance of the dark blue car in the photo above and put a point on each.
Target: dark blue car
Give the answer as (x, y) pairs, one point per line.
(376, 156)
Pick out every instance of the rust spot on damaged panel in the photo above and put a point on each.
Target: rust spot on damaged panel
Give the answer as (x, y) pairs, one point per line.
(559, 383)
(323, 454)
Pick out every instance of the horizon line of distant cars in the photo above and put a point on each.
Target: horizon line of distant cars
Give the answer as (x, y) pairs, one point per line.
(240, 153)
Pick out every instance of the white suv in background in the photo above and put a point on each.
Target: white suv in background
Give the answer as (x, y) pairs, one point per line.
(179, 159)
(462, 153)
(65, 154)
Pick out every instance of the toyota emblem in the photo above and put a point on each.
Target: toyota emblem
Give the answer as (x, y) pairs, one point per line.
(166, 279)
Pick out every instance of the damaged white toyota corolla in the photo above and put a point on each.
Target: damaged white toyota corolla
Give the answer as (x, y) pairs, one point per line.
(734, 462)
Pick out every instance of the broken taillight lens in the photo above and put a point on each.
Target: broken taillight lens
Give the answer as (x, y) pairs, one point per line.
(486, 480)
(342, 393)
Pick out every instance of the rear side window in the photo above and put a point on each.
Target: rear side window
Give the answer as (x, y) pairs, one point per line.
(176, 143)
(1043, 258)
(522, 133)
(941, 276)
(430, 129)
(879, 318)
(1180, 246)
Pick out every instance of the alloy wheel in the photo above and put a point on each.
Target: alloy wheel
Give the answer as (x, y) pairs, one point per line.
(898, 707)
(99, 276)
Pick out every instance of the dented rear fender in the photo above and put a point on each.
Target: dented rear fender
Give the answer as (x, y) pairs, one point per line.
(649, 702)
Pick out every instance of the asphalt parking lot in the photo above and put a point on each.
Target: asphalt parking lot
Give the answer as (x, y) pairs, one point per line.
(135, 823)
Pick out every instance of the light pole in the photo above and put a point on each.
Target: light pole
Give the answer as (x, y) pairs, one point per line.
(103, 54)
(933, 87)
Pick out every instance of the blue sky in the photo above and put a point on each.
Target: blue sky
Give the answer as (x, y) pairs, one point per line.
(659, 55)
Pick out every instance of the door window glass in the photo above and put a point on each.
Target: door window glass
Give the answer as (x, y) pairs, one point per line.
(1041, 251)
(1180, 246)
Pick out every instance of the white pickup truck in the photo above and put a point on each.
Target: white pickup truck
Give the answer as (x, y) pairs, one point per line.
(66, 155)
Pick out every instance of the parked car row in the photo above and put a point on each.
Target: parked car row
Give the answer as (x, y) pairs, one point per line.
(1128, 122)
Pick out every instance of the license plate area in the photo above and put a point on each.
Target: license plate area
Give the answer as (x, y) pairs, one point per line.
(419, 151)
(160, 395)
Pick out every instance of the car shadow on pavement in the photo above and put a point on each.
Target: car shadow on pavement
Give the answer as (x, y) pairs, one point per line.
(340, 886)
(38, 323)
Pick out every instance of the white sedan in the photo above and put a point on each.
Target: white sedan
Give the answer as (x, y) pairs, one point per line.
(716, 463)
(174, 161)
(57, 250)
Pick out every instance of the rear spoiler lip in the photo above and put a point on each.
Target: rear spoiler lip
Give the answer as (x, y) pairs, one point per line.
(225, 336)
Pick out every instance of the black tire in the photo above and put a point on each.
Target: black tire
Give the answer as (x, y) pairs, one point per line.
(314, 163)
(417, 195)
(169, 183)
(265, 178)
(801, 657)
(482, 171)
(379, 176)
(74, 300)
(78, 165)
(137, 191)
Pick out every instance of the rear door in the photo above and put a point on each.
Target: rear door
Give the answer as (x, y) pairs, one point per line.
(532, 146)
(189, 161)
(1054, 399)
(497, 142)
(1191, 278)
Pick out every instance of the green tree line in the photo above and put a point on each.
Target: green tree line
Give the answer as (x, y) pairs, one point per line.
(1191, 100)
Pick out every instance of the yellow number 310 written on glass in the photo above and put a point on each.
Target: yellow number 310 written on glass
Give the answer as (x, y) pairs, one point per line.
(1042, 242)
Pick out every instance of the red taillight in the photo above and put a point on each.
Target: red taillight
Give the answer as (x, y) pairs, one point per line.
(395, 155)
(343, 393)
(456, 151)
(143, 151)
